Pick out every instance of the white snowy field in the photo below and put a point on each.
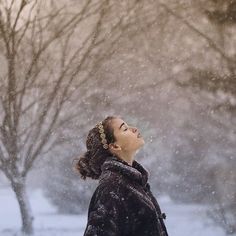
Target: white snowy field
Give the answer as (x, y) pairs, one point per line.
(181, 219)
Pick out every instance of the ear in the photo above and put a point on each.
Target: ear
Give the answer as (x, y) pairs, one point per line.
(114, 147)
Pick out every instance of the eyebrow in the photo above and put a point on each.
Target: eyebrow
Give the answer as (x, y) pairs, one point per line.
(121, 125)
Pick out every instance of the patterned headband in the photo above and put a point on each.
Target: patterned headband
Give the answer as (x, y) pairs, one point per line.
(102, 135)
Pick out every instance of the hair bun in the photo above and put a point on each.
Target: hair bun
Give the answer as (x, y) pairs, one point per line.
(82, 165)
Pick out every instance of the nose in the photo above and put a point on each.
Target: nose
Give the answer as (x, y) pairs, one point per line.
(134, 129)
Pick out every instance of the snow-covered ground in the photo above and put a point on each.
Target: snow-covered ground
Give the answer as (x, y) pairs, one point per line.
(182, 220)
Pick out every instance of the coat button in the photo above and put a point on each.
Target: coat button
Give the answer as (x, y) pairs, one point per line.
(163, 215)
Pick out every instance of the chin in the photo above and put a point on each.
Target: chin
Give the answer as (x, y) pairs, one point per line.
(142, 142)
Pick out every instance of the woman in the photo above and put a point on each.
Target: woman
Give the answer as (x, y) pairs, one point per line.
(122, 204)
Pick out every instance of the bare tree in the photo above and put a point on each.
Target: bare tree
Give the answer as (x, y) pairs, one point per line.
(48, 51)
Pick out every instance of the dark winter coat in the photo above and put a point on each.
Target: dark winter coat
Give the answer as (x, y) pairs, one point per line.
(123, 204)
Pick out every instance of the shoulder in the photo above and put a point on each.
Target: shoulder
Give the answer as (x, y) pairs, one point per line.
(112, 175)
(111, 184)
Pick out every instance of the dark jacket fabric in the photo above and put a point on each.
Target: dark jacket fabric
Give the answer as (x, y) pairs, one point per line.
(123, 204)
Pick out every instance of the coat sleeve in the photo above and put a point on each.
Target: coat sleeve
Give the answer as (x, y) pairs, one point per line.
(105, 214)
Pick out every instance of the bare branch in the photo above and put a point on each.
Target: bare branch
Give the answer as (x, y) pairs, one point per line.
(2, 158)
(25, 27)
(63, 29)
(3, 32)
(22, 6)
(31, 157)
(59, 142)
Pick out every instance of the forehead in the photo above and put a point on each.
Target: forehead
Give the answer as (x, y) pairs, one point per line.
(117, 122)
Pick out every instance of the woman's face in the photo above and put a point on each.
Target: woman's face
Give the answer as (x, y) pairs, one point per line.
(127, 137)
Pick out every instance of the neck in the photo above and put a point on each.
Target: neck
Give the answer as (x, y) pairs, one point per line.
(128, 157)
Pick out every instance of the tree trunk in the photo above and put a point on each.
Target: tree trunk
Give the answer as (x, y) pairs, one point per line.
(19, 187)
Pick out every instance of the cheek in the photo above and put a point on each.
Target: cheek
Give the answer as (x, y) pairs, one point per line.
(124, 140)
(129, 141)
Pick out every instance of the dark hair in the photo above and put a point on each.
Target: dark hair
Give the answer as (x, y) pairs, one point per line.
(89, 164)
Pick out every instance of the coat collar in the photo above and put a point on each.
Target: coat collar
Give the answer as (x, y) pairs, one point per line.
(135, 172)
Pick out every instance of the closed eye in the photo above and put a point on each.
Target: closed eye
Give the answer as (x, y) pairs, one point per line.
(126, 128)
